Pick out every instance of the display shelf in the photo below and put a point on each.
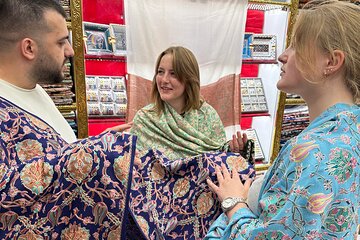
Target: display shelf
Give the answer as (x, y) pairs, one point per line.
(247, 115)
(259, 62)
(281, 3)
(99, 64)
(104, 57)
(105, 118)
(279, 18)
(97, 126)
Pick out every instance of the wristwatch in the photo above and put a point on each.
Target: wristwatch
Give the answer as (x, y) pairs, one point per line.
(228, 203)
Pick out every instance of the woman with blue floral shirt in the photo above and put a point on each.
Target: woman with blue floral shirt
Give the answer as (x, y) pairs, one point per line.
(312, 191)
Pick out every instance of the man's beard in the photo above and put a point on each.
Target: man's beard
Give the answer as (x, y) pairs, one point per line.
(45, 71)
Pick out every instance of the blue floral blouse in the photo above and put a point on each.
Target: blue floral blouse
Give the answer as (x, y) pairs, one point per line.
(312, 191)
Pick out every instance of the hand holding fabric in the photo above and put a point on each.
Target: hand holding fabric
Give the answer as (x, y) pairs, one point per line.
(238, 142)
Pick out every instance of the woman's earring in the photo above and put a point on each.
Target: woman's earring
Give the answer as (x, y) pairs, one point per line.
(327, 72)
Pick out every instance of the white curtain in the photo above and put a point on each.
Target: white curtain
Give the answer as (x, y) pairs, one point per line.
(212, 29)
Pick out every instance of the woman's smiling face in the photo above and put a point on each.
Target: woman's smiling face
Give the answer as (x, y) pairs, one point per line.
(169, 86)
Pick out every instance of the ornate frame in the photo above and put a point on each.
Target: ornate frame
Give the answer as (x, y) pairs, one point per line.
(293, 10)
(79, 67)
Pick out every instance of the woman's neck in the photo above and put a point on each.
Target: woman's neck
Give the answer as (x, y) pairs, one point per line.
(324, 97)
(179, 107)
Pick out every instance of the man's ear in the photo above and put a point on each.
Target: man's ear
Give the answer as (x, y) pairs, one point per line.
(335, 61)
(28, 48)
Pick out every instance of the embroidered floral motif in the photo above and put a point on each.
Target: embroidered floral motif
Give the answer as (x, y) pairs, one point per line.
(339, 218)
(272, 235)
(100, 210)
(37, 122)
(80, 165)
(30, 235)
(54, 214)
(157, 171)
(204, 203)
(121, 168)
(29, 149)
(4, 116)
(238, 162)
(37, 176)
(318, 202)
(272, 205)
(4, 178)
(8, 219)
(181, 187)
(74, 231)
(144, 226)
(114, 234)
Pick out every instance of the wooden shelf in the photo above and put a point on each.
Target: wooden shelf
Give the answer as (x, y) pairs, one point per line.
(271, 2)
(106, 117)
(294, 101)
(259, 61)
(67, 108)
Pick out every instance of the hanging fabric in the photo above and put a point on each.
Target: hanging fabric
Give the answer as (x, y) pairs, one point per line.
(212, 30)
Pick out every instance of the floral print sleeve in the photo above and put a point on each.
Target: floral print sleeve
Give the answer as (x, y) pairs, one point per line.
(312, 191)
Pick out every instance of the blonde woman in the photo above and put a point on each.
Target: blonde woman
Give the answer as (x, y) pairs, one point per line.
(312, 190)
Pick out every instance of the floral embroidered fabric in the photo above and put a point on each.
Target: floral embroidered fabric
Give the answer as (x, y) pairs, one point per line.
(86, 190)
(170, 199)
(197, 132)
(312, 190)
(52, 190)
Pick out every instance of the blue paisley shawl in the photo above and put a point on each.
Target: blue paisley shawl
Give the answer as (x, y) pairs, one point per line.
(52, 190)
(312, 191)
(170, 199)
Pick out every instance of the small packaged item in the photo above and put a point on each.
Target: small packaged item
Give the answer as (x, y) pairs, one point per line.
(92, 96)
(91, 83)
(253, 97)
(106, 96)
(120, 97)
(120, 109)
(104, 83)
(118, 83)
(93, 108)
(107, 109)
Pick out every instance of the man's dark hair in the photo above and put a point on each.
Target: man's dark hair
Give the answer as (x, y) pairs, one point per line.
(24, 18)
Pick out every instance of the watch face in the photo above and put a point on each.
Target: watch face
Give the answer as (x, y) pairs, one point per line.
(227, 203)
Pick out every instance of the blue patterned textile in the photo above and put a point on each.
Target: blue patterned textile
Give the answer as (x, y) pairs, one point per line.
(52, 190)
(91, 189)
(312, 191)
(170, 199)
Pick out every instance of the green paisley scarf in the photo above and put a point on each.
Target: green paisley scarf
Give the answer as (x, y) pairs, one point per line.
(179, 136)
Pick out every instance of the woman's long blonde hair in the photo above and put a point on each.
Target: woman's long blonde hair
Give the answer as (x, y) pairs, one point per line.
(328, 26)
